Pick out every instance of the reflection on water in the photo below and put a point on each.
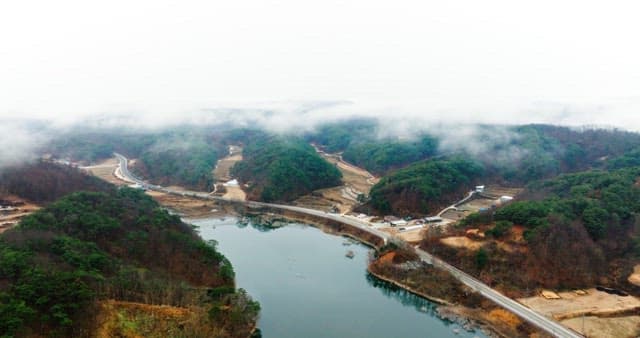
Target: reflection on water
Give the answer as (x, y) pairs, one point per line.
(405, 297)
(308, 288)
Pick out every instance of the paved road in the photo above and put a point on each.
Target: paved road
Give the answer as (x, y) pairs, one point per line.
(454, 206)
(540, 321)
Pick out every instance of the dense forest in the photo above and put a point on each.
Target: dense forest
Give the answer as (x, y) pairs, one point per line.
(276, 168)
(181, 156)
(181, 161)
(60, 262)
(360, 143)
(425, 186)
(529, 153)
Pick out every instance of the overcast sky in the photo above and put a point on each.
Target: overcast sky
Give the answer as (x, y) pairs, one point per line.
(568, 62)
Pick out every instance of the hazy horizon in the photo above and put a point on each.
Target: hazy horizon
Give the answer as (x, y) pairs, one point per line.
(568, 63)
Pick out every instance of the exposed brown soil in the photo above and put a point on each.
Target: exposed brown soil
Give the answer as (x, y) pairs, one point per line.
(617, 327)
(344, 198)
(9, 219)
(191, 207)
(221, 173)
(634, 278)
(412, 236)
(235, 193)
(571, 304)
(105, 170)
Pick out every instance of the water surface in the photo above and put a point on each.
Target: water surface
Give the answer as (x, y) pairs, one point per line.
(308, 288)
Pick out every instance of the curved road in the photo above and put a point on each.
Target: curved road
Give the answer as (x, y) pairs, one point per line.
(548, 325)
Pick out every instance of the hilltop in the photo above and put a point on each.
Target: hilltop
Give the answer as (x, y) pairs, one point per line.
(91, 259)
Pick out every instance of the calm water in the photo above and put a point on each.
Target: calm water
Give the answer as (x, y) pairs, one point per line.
(308, 288)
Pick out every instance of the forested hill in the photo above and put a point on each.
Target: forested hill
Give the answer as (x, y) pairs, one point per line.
(184, 162)
(281, 169)
(425, 187)
(360, 144)
(44, 182)
(580, 229)
(182, 156)
(62, 261)
(527, 154)
(516, 154)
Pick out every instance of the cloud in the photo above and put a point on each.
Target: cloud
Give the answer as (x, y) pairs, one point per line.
(19, 142)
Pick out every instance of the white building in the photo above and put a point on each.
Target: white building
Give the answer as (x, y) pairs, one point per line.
(400, 222)
(505, 199)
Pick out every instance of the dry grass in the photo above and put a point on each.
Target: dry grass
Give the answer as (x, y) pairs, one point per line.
(572, 305)
(462, 242)
(105, 171)
(505, 317)
(134, 320)
(618, 327)
(455, 215)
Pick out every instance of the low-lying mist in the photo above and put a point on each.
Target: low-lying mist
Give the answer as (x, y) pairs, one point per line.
(21, 140)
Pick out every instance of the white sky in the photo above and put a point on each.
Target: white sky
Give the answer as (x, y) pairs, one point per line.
(570, 62)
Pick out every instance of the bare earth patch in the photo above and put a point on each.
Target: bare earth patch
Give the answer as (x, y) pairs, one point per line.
(105, 170)
(573, 305)
(360, 179)
(617, 327)
(605, 315)
(221, 173)
(344, 198)
(10, 218)
(497, 191)
(462, 242)
(235, 193)
(634, 278)
(190, 207)
(411, 236)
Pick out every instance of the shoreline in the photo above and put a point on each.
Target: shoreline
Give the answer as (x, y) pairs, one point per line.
(189, 209)
(456, 313)
(446, 310)
(439, 301)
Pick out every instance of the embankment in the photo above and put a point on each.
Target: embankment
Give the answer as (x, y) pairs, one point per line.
(329, 226)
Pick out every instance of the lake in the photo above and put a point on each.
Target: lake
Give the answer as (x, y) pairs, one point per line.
(307, 287)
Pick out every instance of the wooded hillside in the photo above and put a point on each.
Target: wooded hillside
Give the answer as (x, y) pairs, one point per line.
(282, 169)
(92, 246)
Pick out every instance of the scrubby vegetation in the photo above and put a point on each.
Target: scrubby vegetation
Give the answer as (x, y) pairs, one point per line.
(44, 182)
(92, 246)
(282, 169)
(424, 186)
(580, 229)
